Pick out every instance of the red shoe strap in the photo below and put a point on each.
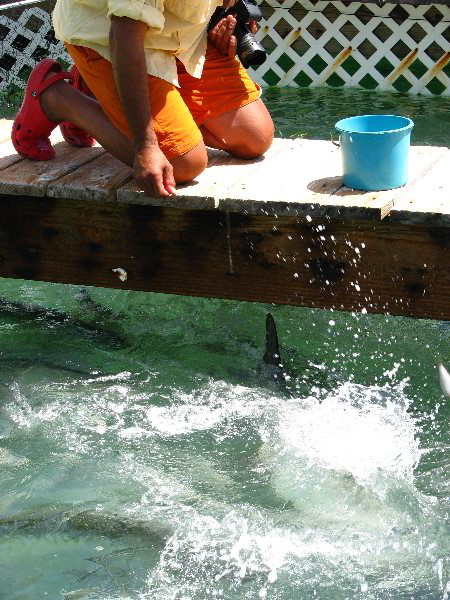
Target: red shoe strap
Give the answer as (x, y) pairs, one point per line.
(50, 81)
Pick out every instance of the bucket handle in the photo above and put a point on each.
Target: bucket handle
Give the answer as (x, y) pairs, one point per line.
(337, 144)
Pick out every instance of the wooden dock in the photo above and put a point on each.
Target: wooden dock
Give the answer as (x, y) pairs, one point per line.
(281, 229)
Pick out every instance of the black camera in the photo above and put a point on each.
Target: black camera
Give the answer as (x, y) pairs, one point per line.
(250, 51)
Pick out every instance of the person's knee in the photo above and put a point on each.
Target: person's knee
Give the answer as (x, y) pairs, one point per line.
(189, 166)
(255, 142)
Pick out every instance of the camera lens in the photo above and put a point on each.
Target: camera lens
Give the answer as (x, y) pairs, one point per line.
(250, 51)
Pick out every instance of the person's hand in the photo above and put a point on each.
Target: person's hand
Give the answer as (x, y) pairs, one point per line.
(153, 171)
(222, 35)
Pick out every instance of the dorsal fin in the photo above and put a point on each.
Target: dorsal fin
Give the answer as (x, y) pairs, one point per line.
(272, 353)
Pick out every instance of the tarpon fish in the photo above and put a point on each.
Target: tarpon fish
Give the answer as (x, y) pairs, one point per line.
(42, 520)
(27, 311)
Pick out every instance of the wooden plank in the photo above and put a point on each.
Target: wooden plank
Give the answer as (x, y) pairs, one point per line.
(32, 178)
(68, 241)
(304, 173)
(378, 267)
(8, 154)
(375, 267)
(97, 180)
(428, 201)
(377, 205)
(202, 194)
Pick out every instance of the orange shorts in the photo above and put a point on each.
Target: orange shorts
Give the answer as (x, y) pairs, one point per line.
(177, 113)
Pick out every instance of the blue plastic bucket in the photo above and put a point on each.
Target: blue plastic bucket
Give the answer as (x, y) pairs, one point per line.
(374, 151)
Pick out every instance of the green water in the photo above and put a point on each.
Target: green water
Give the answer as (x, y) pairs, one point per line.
(312, 113)
(146, 453)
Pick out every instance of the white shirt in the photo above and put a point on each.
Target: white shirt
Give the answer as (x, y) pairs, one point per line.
(177, 28)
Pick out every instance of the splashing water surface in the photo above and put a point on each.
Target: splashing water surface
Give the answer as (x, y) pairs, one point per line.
(145, 453)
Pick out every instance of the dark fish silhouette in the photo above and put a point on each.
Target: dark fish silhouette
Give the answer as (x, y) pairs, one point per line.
(272, 356)
(25, 311)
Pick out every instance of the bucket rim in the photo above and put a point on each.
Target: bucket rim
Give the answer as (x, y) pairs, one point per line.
(409, 125)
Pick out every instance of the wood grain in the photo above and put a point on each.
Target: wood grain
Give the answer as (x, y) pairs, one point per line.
(428, 201)
(378, 204)
(379, 267)
(279, 229)
(97, 180)
(222, 172)
(32, 178)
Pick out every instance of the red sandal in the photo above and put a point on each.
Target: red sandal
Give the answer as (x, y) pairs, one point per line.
(31, 128)
(70, 132)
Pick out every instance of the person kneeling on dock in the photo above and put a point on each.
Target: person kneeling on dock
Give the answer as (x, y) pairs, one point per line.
(164, 89)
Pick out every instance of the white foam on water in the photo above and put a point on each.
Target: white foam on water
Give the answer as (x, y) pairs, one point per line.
(364, 433)
(345, 465)
(204, 409)
(342, 469)
(10, 459)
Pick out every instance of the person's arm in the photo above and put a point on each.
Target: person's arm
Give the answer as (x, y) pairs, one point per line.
(151, 168)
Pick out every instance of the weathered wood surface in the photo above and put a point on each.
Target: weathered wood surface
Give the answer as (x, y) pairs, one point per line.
(96, 180)
(383, 267)
(280, 229)
(223, 171)
(294, 178)
(419, 206)
(32, 178)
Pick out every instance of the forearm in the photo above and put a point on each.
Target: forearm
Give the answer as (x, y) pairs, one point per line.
(126, 40)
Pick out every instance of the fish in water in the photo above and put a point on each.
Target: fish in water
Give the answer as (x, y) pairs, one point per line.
(45, 519)
(272, 356)
(444, 378)
(301, 372)
(25, 311)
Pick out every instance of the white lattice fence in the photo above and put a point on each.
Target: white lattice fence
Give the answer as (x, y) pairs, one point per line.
(24, 40)
(393, 46)
(396, 47)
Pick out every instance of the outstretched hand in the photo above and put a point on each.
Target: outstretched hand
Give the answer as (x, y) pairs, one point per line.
(153, 171)
(222, 35)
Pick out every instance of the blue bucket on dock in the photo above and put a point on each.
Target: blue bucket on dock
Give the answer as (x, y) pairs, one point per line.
(374, 151)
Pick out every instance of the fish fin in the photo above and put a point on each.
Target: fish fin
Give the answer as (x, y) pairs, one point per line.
(272, 353)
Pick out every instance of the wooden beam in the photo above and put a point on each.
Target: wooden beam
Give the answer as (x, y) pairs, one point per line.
(381, 267)
(280, 229)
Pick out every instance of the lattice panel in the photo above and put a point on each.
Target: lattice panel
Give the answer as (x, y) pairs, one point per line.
(24, 42)
(395, 47)
(390, 47)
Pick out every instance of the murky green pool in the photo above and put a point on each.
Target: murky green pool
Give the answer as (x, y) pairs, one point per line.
(146, 453)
